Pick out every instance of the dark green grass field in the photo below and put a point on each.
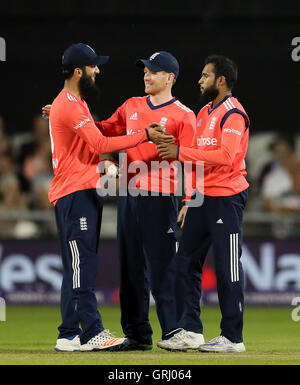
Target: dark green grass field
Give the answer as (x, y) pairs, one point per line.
(28, 337)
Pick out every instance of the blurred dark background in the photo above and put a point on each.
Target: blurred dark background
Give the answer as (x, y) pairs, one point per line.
(256, 34)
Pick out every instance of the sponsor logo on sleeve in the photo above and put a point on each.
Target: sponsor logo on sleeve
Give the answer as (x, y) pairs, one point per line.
(82, 123)
(232, 130)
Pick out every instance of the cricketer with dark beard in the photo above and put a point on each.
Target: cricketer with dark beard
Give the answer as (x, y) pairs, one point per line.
(220, 143)
(208, 94)
(87, 86)
(75, 145)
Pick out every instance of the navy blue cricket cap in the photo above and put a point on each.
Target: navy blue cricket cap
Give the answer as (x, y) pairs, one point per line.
(82, 54)
(160, 61)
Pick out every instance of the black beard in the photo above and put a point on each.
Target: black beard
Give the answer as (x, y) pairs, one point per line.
(209, 95)
(88, 89)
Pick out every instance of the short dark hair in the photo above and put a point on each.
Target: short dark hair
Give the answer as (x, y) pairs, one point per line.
(68, 71)
(223, 66)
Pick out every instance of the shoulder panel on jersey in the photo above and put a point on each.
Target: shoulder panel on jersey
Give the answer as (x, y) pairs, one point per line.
(71, 97)
(138, 97)
(182, 106)
(202, 110)
(235, 111)
(132, 99)
(207, 107)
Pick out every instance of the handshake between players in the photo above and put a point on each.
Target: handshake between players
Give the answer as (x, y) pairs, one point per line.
(156, 132)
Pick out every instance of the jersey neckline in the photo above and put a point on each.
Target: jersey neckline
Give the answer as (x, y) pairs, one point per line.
(210, 110)
(160, 105)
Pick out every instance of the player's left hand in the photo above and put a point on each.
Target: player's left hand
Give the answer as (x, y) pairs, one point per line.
(167, 150)
(46, 110)
(157, 135)
(158, 126)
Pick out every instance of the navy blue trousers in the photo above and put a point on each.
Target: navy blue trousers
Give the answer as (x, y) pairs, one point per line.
(217, 223)
(78, 218)
(147, 248)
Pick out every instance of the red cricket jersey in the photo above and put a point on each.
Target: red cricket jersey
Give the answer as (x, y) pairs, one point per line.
(76, 143)
(143, 171)
(221, 142)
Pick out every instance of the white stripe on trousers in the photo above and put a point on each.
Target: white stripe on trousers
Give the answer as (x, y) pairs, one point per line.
(234, 257)
(75, 264)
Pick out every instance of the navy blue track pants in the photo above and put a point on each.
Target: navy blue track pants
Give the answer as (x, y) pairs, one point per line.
(78, 218)
(217, 223)
(147, 248)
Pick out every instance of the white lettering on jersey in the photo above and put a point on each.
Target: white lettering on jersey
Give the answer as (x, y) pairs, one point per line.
(206, 141)
(82, 123)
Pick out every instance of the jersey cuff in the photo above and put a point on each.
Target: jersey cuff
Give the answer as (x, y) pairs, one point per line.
(147, 133)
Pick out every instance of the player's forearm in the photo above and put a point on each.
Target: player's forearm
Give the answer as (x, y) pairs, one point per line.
(100, 127)
(221, 157)
(106, 145)
(189, 185)
(110, 129)
(230, 144)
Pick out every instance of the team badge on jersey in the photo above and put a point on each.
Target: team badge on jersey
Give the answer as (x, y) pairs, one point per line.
(83, 224)
(212, 123)
(163, 122)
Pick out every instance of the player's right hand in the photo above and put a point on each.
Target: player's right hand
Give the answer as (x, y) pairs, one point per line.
(46, 110)
(157, 135)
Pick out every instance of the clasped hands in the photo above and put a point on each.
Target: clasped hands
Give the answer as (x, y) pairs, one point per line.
(165, 147)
